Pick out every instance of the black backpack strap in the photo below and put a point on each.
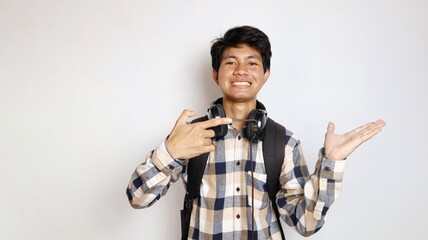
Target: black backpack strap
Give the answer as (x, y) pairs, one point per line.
(195, 172)
(273, 155)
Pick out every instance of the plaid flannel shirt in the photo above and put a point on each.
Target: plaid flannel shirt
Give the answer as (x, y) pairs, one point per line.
(224, 208)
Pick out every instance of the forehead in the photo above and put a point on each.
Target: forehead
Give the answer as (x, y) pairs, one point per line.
(241, 51)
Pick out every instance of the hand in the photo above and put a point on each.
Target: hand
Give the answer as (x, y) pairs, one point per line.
(340, 146)
(191, 140)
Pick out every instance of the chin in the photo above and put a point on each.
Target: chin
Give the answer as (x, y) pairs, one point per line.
(240, 98)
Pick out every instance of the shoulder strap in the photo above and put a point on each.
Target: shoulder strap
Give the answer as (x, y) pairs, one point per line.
(273, 154)
(195, 172)
(195, 169)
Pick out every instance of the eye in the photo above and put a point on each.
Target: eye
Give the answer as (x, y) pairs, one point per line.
(253, 63)
(229, 63)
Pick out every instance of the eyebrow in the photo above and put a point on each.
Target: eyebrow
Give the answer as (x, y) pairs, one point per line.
(248, 57)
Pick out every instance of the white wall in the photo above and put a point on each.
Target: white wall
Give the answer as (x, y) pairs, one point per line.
(87, 88)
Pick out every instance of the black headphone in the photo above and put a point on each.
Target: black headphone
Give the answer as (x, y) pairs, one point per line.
(254, 126)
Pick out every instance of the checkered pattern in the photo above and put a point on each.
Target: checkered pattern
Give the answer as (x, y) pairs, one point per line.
(224, 209)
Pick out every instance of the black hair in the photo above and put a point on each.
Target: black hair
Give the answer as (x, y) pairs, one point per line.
(236, 36)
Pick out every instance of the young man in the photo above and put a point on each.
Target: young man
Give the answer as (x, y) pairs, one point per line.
(233, 201)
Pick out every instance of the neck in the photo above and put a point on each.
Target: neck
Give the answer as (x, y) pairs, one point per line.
(238, 110)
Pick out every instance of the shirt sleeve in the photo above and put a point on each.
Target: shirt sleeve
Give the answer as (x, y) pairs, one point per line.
(304, 199)
(152, 178)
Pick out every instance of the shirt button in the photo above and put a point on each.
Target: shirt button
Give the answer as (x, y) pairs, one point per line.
(238, 163)
(171, 167)
(238, 216)
(238, 189)
(239, 137)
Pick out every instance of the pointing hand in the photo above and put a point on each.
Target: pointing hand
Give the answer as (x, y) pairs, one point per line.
(191, 140)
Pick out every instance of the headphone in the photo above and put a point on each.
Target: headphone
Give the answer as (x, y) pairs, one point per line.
(253, 128)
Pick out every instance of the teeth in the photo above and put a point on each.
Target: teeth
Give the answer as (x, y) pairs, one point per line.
(241, 83)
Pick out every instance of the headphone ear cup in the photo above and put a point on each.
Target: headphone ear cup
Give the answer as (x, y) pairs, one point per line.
(217, 111)
(250, 129)
(254, 128)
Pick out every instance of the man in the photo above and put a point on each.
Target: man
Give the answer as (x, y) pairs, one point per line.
(233, 201)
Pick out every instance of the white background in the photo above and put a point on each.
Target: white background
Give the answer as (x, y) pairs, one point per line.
(87, 88)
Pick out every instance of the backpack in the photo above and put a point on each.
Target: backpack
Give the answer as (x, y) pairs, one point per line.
(273, 153)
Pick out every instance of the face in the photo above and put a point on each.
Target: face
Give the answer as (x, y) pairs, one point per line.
(241, 75)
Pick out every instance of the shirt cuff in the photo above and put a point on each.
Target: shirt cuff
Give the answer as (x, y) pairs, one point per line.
(331, 169)
(164, 161)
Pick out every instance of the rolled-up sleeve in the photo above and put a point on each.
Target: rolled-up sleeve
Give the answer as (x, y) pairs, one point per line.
(304, 198)
(151, 179)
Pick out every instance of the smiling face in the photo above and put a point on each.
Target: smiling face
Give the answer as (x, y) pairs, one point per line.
(241, 75)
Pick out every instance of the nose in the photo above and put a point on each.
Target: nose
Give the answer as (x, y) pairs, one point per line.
(241, 69)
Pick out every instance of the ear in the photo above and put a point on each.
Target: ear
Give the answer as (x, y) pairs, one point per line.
(215, 76)
(266, 75)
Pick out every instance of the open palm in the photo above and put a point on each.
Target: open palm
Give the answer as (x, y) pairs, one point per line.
(340, 146)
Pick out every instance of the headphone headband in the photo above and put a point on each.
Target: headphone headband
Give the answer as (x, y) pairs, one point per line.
(259, 105)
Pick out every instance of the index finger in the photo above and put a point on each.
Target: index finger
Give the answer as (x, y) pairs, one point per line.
(214, 122)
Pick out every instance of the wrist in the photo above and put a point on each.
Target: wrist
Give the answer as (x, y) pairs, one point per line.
(331, 155)
(168, 148)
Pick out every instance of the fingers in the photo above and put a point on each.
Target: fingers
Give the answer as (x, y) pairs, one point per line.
(358, 130)
(371, 130)
(365, 132)
(214, 122)
(373, 127)
(209, 133)
(186, 114)
(363, 129)
(380, 123)
(204, 146)
(208, 142)
(369, 134)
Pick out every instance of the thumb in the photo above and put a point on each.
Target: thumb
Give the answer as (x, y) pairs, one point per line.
(331, 127)
(186, 114)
